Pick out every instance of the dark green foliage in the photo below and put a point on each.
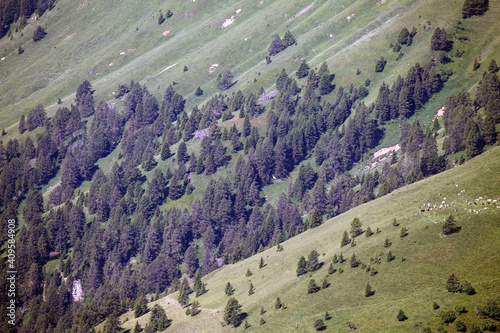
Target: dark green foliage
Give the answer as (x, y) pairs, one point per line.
(403, 36)
(198, 286)
(112, 324)
(439, 40)
(161, 19)
(140, 306)
(401, 316)
(319, 325)
(449, 226)
(39, 34)
(303, 70)
(331, 269)
(251, 289)
(301, 266)
(345, 239)
(262, 321)
(404, 232)
(184, 291)
(327, 316)
(20, 50)
(380, 65)
(229, 290)
(325, 284)
(182, 155)
(493, 67)
(195, 308)
(368, 290)
(232, 312)
(354, 262)
(248, 273)
(476, 64)
(159, 320)
(390, 256)
(368, 232)
(185, 69)
(198, 91)
(387, 242)
(225, 80)
(312, 261)
(474, 7)
(473, 142)
(312, 287)
(278, 304)
(492, 310)
(261, 262)
(315, 219)
(448, 316)
(488, 325)
(468, 289)
(169, 14)
(276, 46)
(288, 39)
(435, 306)
(453, 285)
(356, 227)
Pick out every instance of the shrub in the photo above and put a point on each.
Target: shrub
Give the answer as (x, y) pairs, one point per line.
(39, 34)
(380, 65)
(312, 287)
(488, 325)
(448, 317)
(401, 316)
(460, 326)
(368, 290)
(319, 325)
(452, 284)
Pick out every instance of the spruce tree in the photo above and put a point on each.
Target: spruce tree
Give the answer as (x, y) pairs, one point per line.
(289, 39)
(315, 219)
(232, 312)
(140, 306)
(251, 289)
(356, 227)
(261, 262)
(184, 292)
(401, 316)
(276, 46)
(345, 239)
(229, 290)
(303, 70)
(368, 290)
(312, 261)
(277, 303)
(449, 226)
(312, 287)
(301, 266)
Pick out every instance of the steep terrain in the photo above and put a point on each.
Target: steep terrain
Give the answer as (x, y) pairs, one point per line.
(413, 281)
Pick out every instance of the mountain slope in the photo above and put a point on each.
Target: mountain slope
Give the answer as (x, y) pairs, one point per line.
(411, 285)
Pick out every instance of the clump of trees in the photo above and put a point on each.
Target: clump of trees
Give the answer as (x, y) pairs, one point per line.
(474, 7)
(39, 34)
(278, 44)
(310, 265)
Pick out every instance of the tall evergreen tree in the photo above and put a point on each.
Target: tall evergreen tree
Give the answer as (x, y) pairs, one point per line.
(232, 312)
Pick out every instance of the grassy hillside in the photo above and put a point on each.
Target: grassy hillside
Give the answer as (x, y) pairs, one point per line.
(412, 284)
(114, 42)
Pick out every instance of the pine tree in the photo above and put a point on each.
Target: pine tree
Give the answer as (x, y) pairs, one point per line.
(229, 290)
(453, 285)
(248, 273)
(472, 139)
(184, 292)
(312, 287)
(368, 290)
(165, 151)
(276, 46)
(301, 266)
(198, 91)
(251, 289)
(401, 316)
(368, 232)
(278, 304)
(159, 320)
(474, 7)
(449, 226)
(140, 306)
(182, 155)
(261, 262)
(195, 308)
(312, 261)
(345, 239)
(289, 39)
(232, 312)
(315, 219)
(303, 70)
(356, 227)
(247, 127)
(319, 325)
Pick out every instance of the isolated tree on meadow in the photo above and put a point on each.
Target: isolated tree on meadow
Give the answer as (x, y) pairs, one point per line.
(225, 80)
(276, 46)
(232, 312)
